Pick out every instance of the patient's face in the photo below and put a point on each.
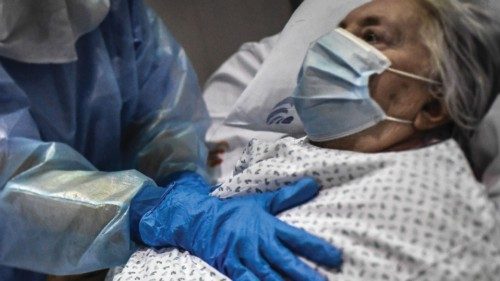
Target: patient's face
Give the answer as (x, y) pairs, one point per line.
(393, 27)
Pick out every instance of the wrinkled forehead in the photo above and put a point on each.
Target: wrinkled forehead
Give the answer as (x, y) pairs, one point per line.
(404, 13)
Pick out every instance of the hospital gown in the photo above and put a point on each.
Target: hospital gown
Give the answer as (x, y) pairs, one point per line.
(412, 215)
(79, 140)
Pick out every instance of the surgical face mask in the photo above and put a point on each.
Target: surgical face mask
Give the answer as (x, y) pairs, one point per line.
(332, 97)
(46, 31)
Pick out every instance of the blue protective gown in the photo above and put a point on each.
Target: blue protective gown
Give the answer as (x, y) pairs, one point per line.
(79, 140)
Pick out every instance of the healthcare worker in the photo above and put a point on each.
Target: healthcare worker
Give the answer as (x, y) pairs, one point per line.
(101, 144)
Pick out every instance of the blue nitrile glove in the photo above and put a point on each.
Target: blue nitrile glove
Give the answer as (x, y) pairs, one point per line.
(239, 236)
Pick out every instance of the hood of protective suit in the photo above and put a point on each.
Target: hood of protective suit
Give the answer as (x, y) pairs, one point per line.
(45, 31)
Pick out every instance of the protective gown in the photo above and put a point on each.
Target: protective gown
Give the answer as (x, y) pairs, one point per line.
(79, 140)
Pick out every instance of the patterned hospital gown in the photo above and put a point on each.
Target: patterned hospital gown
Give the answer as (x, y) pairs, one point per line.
(413, 215)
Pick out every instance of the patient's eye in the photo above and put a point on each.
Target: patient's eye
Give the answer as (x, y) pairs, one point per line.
(371, 37)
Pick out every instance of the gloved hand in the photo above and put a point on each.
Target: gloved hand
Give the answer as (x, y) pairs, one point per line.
(239, 236)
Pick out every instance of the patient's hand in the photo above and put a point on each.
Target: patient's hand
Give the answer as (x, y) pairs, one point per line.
(216, 148)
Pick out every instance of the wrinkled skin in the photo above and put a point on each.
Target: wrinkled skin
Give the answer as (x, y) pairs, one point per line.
(393, 27)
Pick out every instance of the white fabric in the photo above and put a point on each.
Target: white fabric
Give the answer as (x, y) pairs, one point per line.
(413, 215)
(222, 91)
(277, 78)
(46, 31)
(165, 264)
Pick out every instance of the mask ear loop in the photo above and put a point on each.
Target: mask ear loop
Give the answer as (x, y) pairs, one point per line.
(398, 120)
(414, 76)
(435, 87)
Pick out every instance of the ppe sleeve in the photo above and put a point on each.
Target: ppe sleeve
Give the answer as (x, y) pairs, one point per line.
(172, 118)
(58, 214)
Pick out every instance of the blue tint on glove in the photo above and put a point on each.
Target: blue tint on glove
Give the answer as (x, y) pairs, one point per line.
(239, 236)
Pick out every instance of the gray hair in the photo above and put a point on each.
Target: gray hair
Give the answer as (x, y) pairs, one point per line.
(463, 37)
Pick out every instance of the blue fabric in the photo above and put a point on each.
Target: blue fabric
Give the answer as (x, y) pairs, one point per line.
(239, 236)
(79, 140)
(8, 274)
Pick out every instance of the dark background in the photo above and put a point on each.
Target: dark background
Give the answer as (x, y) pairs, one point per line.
(212, 30)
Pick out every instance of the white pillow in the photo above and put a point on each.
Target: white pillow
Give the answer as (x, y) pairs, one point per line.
(266, 104)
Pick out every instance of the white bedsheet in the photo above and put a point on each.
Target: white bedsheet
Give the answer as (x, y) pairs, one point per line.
(414, 215)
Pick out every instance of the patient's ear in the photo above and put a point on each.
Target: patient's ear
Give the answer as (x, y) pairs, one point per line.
(432, 115)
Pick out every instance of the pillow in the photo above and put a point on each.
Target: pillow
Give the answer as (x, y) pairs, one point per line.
(266, 104)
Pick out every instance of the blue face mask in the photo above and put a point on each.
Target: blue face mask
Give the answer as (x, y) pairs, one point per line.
(332, 97)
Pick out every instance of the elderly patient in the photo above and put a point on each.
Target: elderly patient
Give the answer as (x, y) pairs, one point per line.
(389, 101)
(443, 57)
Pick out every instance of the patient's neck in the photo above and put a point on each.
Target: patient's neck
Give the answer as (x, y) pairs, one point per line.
(373, 141)
(422, 140)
